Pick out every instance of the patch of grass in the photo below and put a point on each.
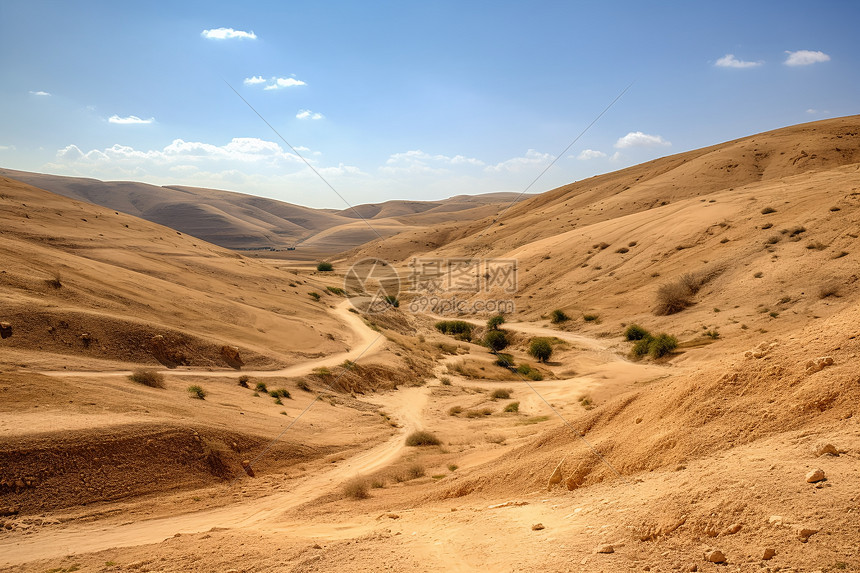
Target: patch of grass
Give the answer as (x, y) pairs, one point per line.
(243, 380)
(356, 488)
(591, 318)
(324, 266)
(534, 420)
(445, 381)
(455, 410)
(453, 467)
(713, 334)
(197, 392)
(661, 345)
(768, 211)
(505, 360)
(512, 408)
(586, 402)
(149, 378)
(558, 316)
(676, 296)
(322, 371)
(422, 438)
(635, 332)
(529, 372)
(336, 290)
(447, 348)
(501, 394)
(280, 393)
(377, 483)
(478, 413)
(773, 314)
(261, 387)
(314, 295)
(303, 385)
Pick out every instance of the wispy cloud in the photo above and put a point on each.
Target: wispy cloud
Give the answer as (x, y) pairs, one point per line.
(228, 34)
(7, 148)
(587, 154)
(730, 61)
(416, 161)
(39, 93)
(308, 114)
(254, 80)
(639, 139)
(130, 120)
(805, 57)
(531, 160)
(278, 83)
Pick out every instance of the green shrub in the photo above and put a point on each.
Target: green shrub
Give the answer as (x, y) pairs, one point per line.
(635, 332)
(335, 290)
(541, 349)
(314, 295)
(324, 266)
(422, 438)
(504, 360)
(149, 378)
(661, 345)
(261, 387)
(445, 381)
(280, 393)
(590, 317)
(558, 316)
(457, 328)
(197, 392)
(453, 467)
(500, 394)
(496, 340)
(528, 372)
(642, 345)
(513, 407)
(303, 385)
(495, 322)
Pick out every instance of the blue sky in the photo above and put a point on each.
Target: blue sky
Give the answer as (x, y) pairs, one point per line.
(406, 100)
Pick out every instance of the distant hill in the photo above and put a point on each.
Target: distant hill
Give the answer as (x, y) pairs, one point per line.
(240, 221)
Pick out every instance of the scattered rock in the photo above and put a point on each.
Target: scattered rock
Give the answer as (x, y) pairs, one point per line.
(815, 475)
(537, 527)
(715, 556)
(5, 330)
(246, 465)
(776, 520)
(317, 546)
(230, 355)
(804, 533)
(692, 567)
(162, 351)
(605, 548)
(768, 554)
(825, 449)
(732, 529)
(508, 504)
(818, 364)
(572, 483)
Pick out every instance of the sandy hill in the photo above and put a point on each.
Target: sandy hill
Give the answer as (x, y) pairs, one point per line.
(240, 221)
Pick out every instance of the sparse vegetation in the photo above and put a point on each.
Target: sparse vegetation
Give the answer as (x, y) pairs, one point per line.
(512, 408)
(422, 438)
(416, 471)
(314, 295)
(336, 290)
(635, 332)
(495, 322)
(540, 349)
(280, 393)
(758, 275)
(455, 410)
(505, 360)
(453, 467)
(496, 340)
(655, 346)
(324, 266)
(261, 387)
(303, 385)
(557, 316)
(586, 402)
(243, 380)
(591, 317)
(478, 413)
(150, 378)
(356, 488)
(529, 372)
(456, 328)
(445, 381)
(392, 300)
(676, 296)
(197, 392)
(712, 334)
(500, 394)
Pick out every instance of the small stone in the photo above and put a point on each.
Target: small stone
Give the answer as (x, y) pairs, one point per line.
(317, 546)
(732, 529)
(715, 556)
(537, 527)
(768, 554)
(804, 533)
(815, 475)
(825, 449)
(692, 567)
(605, 548)
(5, 330)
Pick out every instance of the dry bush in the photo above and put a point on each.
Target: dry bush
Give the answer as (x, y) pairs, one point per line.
(416, 471)
(676, 296)
(149, 378)
(422, 438)
(356, 488)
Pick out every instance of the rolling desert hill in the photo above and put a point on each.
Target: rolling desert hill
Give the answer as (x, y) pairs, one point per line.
(239, 221)
(400, 447)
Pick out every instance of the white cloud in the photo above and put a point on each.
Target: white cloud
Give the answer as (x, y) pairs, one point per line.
(616, 156)
(416, 161)
(39, 93)
(531, 160)
(254, 80)
(805, 58)
(587, 154)
(228, 33)
(7, 148)
(278, 83)
(130, 120)
(308, 114)
(639, 139)
(730, 61)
